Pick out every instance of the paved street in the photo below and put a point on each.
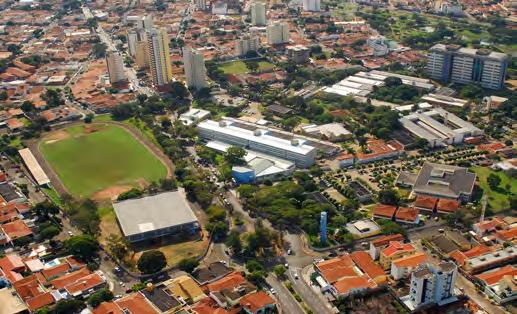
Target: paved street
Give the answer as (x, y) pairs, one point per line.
(312, 298)
(287, 302)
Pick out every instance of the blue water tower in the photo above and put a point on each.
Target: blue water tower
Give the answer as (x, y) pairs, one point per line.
(323, 228)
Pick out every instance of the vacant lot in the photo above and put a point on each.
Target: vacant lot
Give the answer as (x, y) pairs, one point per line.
(97, 159)
(498, 199)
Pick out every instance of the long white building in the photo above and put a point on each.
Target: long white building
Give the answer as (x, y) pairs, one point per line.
(294, 149)
(195, 71)
(277, 33)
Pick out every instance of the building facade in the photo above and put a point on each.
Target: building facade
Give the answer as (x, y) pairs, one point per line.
(298, 54)
(465, 65)
(258, 14)
(159, 56)
(115, 67)
(312, 5)
(195, 71)
(431, 284)
(277, 33)
(246, 44)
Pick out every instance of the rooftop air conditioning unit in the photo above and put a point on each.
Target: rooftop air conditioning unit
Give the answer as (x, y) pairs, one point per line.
(257, 132)
(223, 124)
(295, 142)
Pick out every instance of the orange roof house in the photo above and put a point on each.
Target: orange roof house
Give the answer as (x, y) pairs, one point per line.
(384, 211)
(460, 257)
(33, 293)
(494, 276)
(364, 261)
(378, 244)
(426, 202)
(14, 230)
(395, 250)
(230, 281)
(506, 235)
(351, 285)
(12, 266)
(133, 303)
(258, 302)
(447, 206)
(407, 215)
(70, 278)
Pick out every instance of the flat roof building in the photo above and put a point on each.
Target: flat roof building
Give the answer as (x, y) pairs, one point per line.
(439, 127)
(363, 228)
(294, 149)
(34, 167)
(445, 181)
(154, 216)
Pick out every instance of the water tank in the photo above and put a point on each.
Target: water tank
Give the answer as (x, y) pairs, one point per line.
(295, 142)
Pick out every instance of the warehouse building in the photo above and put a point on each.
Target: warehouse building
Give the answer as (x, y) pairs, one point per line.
(155, 216)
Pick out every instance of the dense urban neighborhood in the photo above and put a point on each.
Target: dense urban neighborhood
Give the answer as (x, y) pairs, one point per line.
(258, 156)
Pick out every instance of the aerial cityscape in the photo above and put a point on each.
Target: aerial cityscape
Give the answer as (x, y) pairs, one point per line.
(258, 156)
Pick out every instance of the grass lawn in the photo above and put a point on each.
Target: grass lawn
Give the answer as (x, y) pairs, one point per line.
(500, 199)
(239, 67)
(92, 158)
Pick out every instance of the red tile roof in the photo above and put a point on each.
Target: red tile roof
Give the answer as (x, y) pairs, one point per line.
(70, 278)
(384, 210)
(396, 247)
(492, 148)
(411, 260)
(336, 268)
(33, 293)
(88, 282)
(367, 265)
(385, 240)
(133, 303)
(55, 271)
(16, 229)
(494, 276)
(12, 265)
(426, 202)
(40, 301)
(256, 301)
(461, 257)
(229, 281)
(408, 214)
(345, 285)
(205, 306)
(506, 235)
(447, 205)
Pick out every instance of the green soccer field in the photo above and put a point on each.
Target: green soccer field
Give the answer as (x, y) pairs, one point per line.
(99, 158)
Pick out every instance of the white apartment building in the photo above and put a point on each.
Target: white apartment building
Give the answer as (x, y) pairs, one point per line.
(455, 64)
(195, 71)
(261, 140)
(432, 285)
(159, 56)
(312, 5)
(200, 4)
(134, 37)
(277, 33)
(115, 66)
(258, 13)
(246, 44)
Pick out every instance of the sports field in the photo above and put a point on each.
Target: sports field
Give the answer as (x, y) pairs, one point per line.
(100, 160)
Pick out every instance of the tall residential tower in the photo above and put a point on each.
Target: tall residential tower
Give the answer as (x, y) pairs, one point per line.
(258, 14)
(159, 56)
(195, 71)
(115, 67)
(277, 33)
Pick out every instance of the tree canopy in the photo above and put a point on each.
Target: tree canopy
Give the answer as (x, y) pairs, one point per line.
(151, 261)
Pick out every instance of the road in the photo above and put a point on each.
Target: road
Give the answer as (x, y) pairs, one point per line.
(311, 297)
(287, 302)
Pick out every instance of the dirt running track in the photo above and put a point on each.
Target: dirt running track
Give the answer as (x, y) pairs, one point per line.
(54, 178)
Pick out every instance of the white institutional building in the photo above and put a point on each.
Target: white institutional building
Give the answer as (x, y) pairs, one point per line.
(195, 71)
(277, 33)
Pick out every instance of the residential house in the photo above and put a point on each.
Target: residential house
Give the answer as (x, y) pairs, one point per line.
(393, 251)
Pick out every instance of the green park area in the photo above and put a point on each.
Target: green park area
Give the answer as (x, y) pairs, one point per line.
(98, 160)
(241, 67)
(498, 197)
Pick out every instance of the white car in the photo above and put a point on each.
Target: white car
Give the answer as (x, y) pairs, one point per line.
(272, 290)
(70, 233)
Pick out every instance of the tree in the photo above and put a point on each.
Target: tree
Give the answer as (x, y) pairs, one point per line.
(421, 143)
(45, 209)
(53, 98)
(234, 242)
(83, 246)
(391, 227)
(89, 118)
(188, 264)
(27, 106)
(3, 95)
(279, 270)
(100, 296)
(235, 155)
(117, 246)
(69, 306)
(50, 232)
(252, 66)
(493, 181)
(393, 81)
(168, 184)
(99, 50)
(151, 261)
(179, 90)
(388, 197)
